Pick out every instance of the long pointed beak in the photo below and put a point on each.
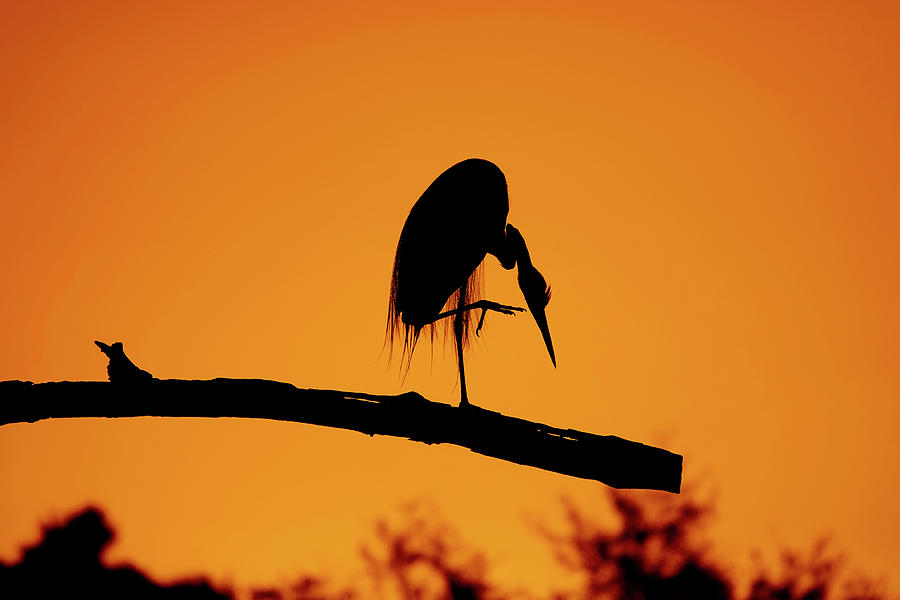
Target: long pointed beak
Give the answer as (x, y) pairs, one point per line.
(534, 287)
(540, 317)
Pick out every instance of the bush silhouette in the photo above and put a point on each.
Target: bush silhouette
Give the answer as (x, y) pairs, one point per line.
(653, 555)
(656, 552)
(66, 563)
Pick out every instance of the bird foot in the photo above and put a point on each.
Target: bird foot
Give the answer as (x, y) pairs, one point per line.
(486, 305)
(466, 405)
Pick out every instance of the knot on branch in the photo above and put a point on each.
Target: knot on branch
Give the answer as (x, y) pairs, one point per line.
(120, 368)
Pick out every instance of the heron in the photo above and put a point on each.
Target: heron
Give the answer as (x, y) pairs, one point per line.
(438, 266)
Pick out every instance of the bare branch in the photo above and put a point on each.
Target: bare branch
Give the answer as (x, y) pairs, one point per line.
(614, 461)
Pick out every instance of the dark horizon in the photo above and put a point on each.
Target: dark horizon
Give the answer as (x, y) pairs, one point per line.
(658, 550)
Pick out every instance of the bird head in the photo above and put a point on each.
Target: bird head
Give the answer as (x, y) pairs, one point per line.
(537, 296)
(534, 287)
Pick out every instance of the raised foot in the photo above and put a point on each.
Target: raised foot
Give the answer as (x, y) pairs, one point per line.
(503, 308)
(486, 305)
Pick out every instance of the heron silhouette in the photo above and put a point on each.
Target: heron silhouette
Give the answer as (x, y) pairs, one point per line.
(455, 224)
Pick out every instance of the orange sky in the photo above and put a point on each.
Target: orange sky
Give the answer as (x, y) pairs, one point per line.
(711, 191)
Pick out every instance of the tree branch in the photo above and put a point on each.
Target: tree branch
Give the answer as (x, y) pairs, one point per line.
(614, 461)
(617, 462)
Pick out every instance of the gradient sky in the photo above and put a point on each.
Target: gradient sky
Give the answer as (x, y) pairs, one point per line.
(710, 189)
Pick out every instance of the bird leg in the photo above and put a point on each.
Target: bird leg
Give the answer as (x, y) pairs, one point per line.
(458, 331)
(484, 305)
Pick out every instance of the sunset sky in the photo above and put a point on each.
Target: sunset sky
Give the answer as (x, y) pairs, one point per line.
(710, 188)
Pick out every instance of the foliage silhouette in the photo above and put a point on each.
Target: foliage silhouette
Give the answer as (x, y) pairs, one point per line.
(67, 563)
(305, 588)
(422, 557)
(653, 555)
(657, 552)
